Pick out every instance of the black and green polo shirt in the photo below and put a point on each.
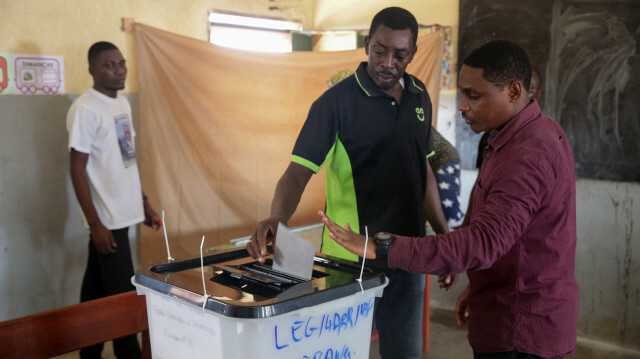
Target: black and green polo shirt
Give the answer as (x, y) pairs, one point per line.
(375, 151)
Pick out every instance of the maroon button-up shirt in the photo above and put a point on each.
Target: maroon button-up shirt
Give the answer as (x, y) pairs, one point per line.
(519, 248)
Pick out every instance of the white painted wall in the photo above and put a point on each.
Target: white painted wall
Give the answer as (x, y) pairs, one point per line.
(43, 243)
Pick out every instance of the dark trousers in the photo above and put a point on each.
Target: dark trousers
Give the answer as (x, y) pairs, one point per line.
(109, 274)
(398, 315)
(505, 355)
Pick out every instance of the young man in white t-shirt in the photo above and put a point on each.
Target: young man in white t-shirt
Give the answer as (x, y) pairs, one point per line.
(106, 181)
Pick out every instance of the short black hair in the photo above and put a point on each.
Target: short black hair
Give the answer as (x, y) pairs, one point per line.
(395, 18)
(502, 62)
(98, 48)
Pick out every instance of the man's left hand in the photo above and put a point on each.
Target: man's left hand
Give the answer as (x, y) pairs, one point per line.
(347, 238)
(447, 281)
(151, 218)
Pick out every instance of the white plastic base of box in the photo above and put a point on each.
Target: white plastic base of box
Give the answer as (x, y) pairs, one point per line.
(337, 329)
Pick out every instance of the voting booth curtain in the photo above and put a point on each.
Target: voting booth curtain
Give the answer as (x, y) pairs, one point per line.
(216, 130)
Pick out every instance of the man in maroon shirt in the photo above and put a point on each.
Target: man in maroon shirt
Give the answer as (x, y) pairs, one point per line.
(519, 247)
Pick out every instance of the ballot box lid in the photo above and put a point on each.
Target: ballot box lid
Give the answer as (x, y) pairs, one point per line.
(240, 287)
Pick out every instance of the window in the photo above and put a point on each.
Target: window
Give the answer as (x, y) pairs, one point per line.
(251, 33)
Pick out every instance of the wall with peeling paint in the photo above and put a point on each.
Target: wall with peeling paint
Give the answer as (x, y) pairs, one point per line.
(608, 260)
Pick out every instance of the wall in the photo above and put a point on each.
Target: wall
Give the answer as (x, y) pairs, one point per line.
(69, 27)
(42, 239)
(340, 15)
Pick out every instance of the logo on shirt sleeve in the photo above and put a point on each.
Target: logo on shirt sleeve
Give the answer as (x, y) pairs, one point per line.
(420, 113)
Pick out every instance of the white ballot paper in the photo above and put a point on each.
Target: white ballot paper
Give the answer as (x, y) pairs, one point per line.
(293, 255)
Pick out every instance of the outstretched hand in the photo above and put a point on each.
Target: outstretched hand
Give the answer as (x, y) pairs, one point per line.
(347, 238)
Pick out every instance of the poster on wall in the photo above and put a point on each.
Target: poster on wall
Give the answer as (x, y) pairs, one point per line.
(6, 86)
(447, 59)
(35, 75)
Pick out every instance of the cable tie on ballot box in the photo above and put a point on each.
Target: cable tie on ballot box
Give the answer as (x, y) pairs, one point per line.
(166, 240)
(204, 287)
(366, 240)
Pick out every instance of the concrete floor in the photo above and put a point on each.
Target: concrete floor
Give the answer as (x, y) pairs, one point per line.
(448, 341)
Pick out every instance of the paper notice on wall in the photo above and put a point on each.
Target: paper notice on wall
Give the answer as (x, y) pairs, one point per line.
(293, 255)
(33, 74)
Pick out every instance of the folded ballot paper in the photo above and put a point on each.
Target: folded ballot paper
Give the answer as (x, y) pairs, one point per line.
(293, 255)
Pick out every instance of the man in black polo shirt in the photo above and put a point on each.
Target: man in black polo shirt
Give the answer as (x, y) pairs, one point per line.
(373, 132)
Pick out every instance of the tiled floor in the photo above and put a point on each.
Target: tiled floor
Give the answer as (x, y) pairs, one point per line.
(447, 341)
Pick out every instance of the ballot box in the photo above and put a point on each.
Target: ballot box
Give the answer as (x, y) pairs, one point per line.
(251, 311)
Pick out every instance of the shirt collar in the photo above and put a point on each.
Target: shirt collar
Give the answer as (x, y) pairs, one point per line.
(527, 115)
(104, 97)
(372, 90)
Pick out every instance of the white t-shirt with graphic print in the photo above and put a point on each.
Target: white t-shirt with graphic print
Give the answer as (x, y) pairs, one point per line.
(101, 126)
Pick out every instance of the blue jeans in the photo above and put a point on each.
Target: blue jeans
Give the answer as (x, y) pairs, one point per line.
(398, 315)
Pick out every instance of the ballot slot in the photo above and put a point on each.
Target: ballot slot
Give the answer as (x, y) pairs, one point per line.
(194, 263)
(258, 278)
